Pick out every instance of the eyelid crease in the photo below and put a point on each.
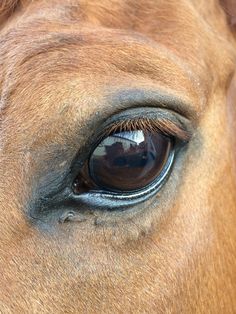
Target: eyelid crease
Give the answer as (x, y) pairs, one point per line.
(162, 124)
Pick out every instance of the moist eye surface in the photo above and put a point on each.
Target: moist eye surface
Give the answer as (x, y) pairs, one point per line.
(129, 160)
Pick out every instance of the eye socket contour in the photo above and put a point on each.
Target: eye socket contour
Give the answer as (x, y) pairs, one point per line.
(130, 160)
(87, 191)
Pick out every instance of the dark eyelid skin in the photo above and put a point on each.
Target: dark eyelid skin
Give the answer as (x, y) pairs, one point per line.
(131, 98)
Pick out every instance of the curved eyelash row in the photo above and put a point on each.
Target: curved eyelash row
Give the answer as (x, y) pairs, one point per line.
(163, 125)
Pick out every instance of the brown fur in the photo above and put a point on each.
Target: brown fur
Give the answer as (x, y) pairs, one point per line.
(61, 64)
(7, 6)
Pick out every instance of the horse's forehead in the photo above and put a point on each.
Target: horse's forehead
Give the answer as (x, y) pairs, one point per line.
(172, 40)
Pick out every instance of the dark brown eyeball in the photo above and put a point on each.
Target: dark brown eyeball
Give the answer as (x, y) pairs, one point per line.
(129, 160)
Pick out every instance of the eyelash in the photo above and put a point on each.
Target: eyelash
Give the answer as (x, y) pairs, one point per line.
(163, 125)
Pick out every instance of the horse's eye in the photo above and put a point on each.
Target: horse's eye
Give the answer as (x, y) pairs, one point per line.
(133, 161)
(130, 160)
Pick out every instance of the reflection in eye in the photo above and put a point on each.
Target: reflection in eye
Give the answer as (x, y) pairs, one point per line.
(129, 160)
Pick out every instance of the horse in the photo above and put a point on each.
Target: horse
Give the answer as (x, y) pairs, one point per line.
(117, 156)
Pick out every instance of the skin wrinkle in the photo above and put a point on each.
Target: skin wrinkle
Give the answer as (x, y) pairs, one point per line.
(176, 252)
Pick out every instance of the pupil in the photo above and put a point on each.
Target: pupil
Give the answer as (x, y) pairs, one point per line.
(127, 161)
